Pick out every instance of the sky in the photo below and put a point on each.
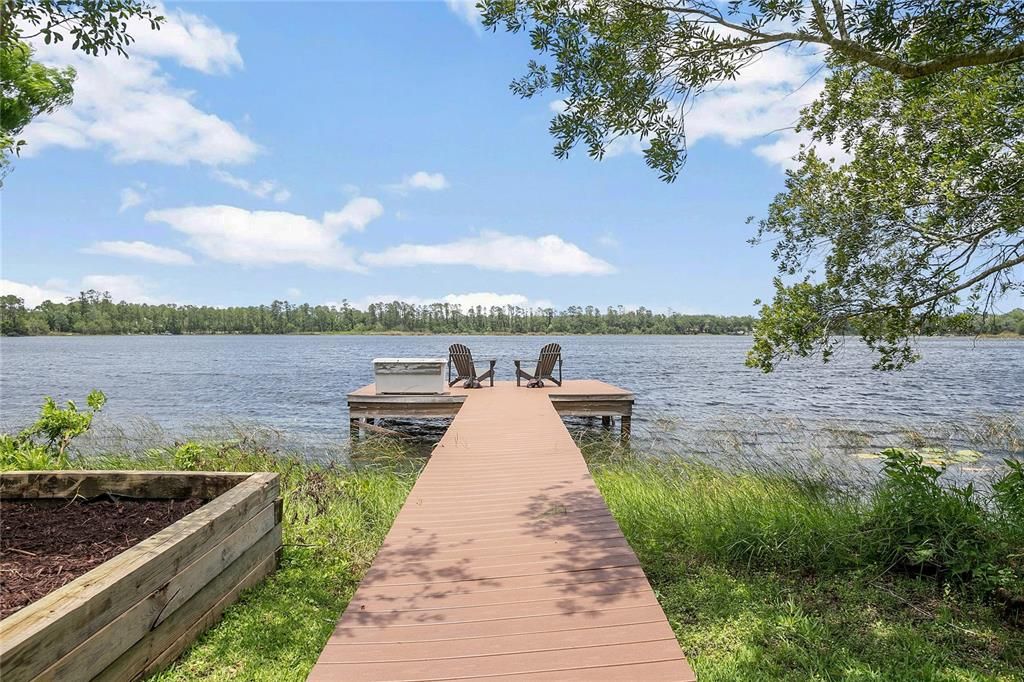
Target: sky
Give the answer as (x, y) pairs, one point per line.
(322, 151)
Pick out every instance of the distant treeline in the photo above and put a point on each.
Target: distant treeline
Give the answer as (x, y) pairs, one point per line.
(96, 313)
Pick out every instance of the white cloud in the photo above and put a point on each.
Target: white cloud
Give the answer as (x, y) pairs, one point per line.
(486, 299)
(608, 240)
(467, 11)
(141, 251)
(237, 235)
(547, 255)
(263, 189)
(131, 197)
(192, 40)
(33, 295)
(355, 215)
(130, 288)
(766, 97)
(129, 106)
(762, 104)
(624, 144)
(293, 293)
(421, 180)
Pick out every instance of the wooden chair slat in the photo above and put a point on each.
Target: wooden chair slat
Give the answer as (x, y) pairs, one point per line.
(550, 356)
(460, 357)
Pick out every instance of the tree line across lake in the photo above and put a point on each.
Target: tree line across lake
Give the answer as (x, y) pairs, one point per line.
(96, 313)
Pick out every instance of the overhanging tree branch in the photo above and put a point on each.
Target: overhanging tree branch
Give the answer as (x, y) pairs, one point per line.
(849, 47)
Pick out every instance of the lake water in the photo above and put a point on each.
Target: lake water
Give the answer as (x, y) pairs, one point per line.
(693, 392)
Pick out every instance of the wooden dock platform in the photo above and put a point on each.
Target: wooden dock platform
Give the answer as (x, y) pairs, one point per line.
(505, 563)
(577, 398)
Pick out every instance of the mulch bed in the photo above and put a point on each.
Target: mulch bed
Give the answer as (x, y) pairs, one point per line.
(45, 544)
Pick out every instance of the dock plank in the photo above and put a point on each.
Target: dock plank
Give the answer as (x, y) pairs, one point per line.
(505, 563)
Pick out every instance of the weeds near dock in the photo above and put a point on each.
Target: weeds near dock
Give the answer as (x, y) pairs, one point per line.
(784, 575)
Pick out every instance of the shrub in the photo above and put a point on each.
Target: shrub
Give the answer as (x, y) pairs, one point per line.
(1008, 494)
(918, 525)
(187, 456)
(18, 455)
(58, 426)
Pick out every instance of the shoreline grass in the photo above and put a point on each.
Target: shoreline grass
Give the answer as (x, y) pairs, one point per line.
(762, 574)
(765, 576)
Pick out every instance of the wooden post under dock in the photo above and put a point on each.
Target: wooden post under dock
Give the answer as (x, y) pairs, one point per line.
(504, 562)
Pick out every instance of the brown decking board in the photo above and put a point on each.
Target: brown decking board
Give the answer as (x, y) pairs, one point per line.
(505, 563)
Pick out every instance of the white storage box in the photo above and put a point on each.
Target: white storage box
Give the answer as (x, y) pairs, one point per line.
(423, 376)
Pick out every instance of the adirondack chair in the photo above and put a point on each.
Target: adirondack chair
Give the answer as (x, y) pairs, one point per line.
(550, 355)
(461, 360)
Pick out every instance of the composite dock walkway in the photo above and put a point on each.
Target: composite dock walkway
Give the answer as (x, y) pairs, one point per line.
(504, 563)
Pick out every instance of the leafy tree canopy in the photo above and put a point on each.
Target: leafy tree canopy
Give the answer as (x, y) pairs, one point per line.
(29, 88)
(94, 26)
(924, 97)
(926, 219)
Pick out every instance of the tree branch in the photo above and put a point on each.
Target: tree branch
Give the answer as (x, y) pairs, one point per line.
(840, 19)
(981, 276)
(844, 45)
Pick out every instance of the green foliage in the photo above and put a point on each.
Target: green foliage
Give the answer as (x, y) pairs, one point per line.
(768, 575)
(760, 519)
(634, 67)
(29, 88)
(94, 26)
(17, 454)
(921, 526)
(96, 313)
(920, 228)
(1008, 493)
(188, 456)
(923, 220)
(912, 523)
(58, 426)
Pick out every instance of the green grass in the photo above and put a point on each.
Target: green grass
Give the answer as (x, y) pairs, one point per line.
(764, 576)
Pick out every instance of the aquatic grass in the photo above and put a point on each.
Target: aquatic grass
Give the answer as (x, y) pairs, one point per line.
(743, 518)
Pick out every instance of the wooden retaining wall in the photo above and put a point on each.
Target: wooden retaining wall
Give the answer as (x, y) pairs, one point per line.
(137, 612)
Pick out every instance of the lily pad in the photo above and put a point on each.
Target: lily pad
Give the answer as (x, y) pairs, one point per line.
(935, 456)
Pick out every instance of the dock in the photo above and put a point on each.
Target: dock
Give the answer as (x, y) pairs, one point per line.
(504, 562)
(580, 398)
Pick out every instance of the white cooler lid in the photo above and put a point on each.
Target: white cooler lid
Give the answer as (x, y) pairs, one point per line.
(382, 361)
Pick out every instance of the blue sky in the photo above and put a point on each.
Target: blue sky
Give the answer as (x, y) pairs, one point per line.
(331, 150)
